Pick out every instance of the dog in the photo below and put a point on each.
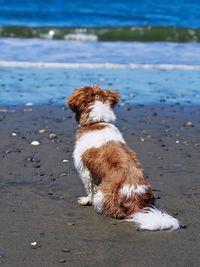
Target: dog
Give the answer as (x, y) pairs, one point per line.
(109, 169)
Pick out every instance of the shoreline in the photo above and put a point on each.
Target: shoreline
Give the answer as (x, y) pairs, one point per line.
(53, 85)
(39, 190)
(132, 66)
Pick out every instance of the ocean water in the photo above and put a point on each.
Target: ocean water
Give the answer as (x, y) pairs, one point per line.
(105, 20)
(36, 50)
(104, 13)
(118, 44)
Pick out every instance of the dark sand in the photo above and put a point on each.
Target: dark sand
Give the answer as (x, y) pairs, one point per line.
(39, 191)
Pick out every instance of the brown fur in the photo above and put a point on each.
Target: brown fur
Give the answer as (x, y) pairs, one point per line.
(92, 127)
(115, 164)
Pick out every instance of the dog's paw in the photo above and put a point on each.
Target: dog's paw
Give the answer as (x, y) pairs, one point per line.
(85, 201)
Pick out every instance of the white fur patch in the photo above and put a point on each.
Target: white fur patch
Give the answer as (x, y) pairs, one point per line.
(154, 219)
(130, 190)
(98, 201)
(95, 139)
(86, 179)
(101, 112)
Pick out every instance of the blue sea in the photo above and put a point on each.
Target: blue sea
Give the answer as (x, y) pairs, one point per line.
(147, 50)
(104, 13)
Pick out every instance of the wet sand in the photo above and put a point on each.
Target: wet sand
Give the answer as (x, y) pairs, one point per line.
(38, 192)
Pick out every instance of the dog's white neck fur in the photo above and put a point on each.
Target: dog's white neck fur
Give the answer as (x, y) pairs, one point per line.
(101, 112)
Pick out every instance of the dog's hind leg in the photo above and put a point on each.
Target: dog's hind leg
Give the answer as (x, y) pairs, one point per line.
(90, 188)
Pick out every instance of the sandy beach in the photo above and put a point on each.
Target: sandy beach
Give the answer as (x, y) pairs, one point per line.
(39, 190)
(149, 52)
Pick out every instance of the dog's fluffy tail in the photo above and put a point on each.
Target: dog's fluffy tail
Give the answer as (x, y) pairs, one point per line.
(154, 219)
(149, 218)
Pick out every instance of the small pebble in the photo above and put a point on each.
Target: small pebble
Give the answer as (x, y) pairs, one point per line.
(182, 226)
(177, 141)
(35, 143)
(34, 245)
(65, 160)
(65, 250)
(142, 139)
(189, 123)
(28, 104)
(7, 110)
(52, 136)
(63, 174)
(31, 159)
(61, 261)
(14, 134)
(70, 223)
(41, 131)
(28, 109)
(36, 166)
(40, 173)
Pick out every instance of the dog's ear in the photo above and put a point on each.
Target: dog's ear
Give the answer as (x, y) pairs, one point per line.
(113, 98)
(72, 102)
(78, 99)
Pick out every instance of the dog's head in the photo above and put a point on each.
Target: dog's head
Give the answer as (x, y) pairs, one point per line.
(92, 104)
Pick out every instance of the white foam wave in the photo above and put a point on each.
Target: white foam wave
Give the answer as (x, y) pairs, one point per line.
(81, 37)
(20, 64)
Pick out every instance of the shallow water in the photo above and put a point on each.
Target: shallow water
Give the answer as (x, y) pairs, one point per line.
(44, 85)
(35, 50)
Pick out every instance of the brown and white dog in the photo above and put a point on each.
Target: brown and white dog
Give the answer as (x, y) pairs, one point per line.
(101, 152)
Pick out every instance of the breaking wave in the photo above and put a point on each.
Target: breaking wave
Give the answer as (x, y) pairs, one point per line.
(143, 34)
